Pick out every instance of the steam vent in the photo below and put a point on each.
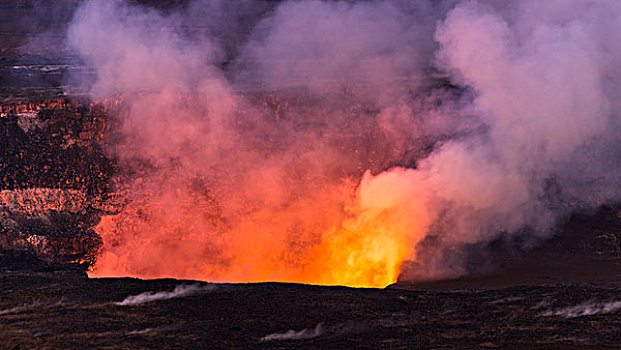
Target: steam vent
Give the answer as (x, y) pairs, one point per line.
(310, 174)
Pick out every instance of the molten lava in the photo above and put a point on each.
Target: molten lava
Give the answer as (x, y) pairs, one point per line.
(326, 237)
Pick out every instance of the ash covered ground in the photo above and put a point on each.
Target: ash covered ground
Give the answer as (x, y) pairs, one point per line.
(560, 290)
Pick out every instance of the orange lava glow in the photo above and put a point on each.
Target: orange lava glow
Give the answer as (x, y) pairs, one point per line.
(347, 233)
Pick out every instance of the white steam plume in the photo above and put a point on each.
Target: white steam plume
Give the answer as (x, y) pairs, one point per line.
(539, 85)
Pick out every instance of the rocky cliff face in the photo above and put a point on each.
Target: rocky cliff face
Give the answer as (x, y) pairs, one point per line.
(54, 183)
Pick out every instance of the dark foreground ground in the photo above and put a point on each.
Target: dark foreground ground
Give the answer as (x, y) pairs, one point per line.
(67, 311)
(562, 294)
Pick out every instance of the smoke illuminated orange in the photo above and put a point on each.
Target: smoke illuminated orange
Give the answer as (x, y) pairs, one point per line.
(330, 237)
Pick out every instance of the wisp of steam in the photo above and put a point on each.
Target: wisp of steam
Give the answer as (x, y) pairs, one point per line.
(585, 309)
(331, 142)
(180, 291)
(295, 335)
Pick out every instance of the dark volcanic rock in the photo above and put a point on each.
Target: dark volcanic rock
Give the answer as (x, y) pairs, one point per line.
(54, 183)
(61, 311)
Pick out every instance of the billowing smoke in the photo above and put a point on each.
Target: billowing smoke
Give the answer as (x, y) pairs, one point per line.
(542, 76)
(331, 141)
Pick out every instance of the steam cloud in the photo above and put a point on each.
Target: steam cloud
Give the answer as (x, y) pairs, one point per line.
(330, 141)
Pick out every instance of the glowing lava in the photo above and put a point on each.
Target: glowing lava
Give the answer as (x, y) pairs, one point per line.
(329, 237)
